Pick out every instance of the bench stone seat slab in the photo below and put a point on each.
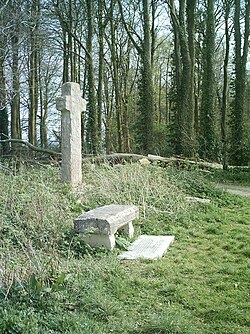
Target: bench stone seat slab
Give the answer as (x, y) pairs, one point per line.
(107, 219)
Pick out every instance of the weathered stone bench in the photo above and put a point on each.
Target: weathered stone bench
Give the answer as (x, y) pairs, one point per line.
(101, 224)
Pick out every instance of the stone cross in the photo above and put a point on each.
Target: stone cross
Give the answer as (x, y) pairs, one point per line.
(71, 104)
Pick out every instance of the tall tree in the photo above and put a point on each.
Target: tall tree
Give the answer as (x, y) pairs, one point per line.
(239, 105)
(224, 105)
(68, 13)
(108, 102)
(49, 77)
(147, 93)
(15, 8)
(183, 27)
(207, 141)
(101, 26)
(4, 131)
(92, 122)
(34, 9)
(115, 75)
(144, 49)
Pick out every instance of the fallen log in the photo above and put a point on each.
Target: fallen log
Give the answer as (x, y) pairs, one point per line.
(117, 158)
(185, 162)
(114, 158)
(32, 147)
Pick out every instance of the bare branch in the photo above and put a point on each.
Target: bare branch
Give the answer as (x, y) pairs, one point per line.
(64, 23)
(136, 45)
(32, 147)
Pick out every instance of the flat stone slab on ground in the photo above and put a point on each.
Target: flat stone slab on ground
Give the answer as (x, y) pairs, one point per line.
(149, 247)
(192, 199)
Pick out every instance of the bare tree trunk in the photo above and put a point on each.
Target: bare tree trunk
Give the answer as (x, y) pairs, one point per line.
(33, 71)
(84, 114)
(70, 42)
(92, 137)
(107, 123)
(100, 69)
(167, 104)
(147, 82)
(145, 50)
(152, 30)
(4, 131)
(225, 88)
(159, 97)
(187, 77)
(116, 79)
(184, 75)
(126, 92)
(65, 56)
(241, 53)
(15, 102)
(44, 97)
(207, 117)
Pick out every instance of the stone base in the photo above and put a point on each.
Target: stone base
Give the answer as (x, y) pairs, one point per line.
(128, 230)
(100, 240)
(108, 241)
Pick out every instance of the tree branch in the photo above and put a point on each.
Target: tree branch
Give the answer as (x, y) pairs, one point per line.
(29, 145)
(136, 45)
(66, 26)
(173, 14)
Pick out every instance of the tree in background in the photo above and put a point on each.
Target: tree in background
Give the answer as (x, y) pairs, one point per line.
(33, 60)
(225, 91)
(148, 68)
(146, 94)
(101, 30)
(207, 140)
(112, 40)
(16, 17)
(183, 22)
(92, 122)
(68, 14)
(238, 150)
(4, 131)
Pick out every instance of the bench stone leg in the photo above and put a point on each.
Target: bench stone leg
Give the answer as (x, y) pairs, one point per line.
(128, 230)
(100, 240)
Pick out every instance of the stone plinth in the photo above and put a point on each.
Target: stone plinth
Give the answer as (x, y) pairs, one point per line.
(71, 104)
(101, 224)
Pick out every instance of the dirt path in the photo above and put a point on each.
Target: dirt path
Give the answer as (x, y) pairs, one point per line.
(235, 189)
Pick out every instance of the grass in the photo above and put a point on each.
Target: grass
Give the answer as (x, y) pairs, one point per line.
(53, 283)
(239, 176)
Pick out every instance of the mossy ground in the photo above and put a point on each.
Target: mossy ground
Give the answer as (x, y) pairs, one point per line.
(53, 283)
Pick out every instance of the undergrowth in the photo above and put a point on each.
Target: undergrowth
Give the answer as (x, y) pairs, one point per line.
(239, 176)
(52, 282)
